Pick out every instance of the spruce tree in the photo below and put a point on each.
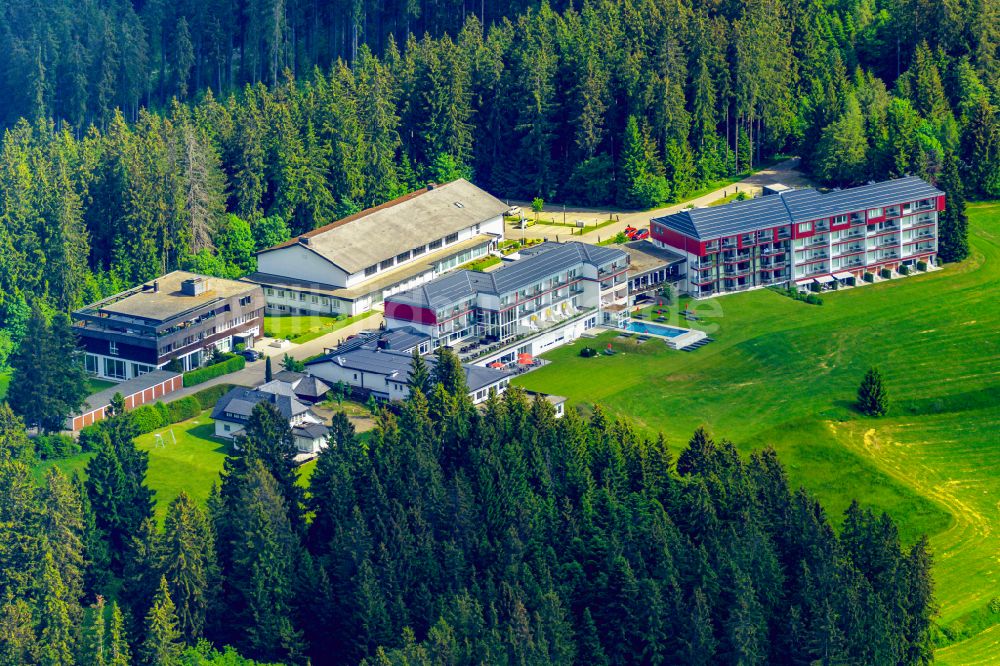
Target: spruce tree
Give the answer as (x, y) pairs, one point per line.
(57, 630)
(953, 223)
(873, 399)
(94, 639)
(118, 650)
(163, 645)
(448, 372)
(419, 376)
(268, 373)
(187, 559)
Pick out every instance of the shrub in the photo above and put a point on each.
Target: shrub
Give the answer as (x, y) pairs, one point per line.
(588, 352)
(90, 437)
(239, 347)
(211, 372)
(148, 418)
(187, 407)
(885, 273)
(813, 299)
(869, 277)
(921, 265)
(904, 270)
(50, 447)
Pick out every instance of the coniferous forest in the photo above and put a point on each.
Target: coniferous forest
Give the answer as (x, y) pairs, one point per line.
(142, 136)
(148, 135)
(453, 535)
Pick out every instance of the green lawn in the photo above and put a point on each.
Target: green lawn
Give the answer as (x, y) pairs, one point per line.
(784, 373)
(191, 463)
(95, 385)
(304, 328)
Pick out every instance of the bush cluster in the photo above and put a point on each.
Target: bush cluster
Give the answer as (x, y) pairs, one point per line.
(50, 447)
(795, 294)
(201, 375)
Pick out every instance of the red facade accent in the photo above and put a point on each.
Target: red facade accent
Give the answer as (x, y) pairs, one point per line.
(678, 240)
(404, 312)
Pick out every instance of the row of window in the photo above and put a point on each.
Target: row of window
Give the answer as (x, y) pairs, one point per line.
(410, 254)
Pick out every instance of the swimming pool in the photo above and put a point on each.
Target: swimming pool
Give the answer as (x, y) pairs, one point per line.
(655, 329)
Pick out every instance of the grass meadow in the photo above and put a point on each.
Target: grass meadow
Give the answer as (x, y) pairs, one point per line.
(784, 373)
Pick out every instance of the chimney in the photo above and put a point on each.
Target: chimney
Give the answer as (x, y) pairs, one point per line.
(195, 286)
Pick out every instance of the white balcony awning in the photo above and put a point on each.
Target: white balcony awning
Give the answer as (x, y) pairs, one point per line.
(824, 279)
(843, 276)
(802, 283)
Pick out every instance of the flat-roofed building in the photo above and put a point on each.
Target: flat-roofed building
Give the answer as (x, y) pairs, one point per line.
(805, 237)
(549, 296)
(352, 264)
(180, 316)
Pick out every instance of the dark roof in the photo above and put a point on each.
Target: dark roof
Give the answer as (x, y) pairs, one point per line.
(311, 430)
(535, 264)
(126, 388)
(241, 401)
(300, 384)
(397, 364)
(792, 207)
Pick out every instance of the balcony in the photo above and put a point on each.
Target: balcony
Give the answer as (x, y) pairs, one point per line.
(773, 266)
(813, 256)
(703, 265)
(857, 219)
(772, 251)
(736, 258)
(850, 249)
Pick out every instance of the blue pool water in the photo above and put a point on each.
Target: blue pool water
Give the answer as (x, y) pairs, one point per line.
(654, 329)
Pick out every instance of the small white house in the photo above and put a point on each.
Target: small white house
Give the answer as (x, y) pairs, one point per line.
(233, 410)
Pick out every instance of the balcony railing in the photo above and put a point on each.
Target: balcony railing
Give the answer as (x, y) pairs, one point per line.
(736, 258)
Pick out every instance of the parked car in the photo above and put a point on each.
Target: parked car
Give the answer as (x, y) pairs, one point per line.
(641, 235)
(513, 211)
(630, 231)
(251, 355)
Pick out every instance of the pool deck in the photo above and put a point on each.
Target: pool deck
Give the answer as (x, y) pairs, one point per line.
(688, 337)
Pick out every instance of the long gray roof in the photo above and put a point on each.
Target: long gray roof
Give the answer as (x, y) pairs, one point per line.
(397, 365)
(792, 207)
(537, 263)
(414, 220)
(126, 388)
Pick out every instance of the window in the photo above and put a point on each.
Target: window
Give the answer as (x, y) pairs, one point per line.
(114, 368)
(371, 270)
(400, 258)
(245, 301)
(874, 212)
(805, 227)
(302, 296)
(90, 362)
(140, 369)
(451, 238)
(386, 264)
(113, 348)
(315, 299)
(269, 291)
(434, 245)
(417, 251)
(226, 427)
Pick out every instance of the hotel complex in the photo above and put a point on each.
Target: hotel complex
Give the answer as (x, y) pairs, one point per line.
(804, 236)
(351, 265)
(548, 296)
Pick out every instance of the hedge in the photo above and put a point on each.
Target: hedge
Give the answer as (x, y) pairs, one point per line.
(885, 273)
(921, 265)
(201, 375)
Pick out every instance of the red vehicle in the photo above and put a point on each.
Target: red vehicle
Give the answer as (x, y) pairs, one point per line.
(640, 235)
(630, 231)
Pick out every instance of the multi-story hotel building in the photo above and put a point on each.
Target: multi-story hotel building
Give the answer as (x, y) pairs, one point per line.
(549, 296)
(805, 236)
(351, 265)
(179, 316)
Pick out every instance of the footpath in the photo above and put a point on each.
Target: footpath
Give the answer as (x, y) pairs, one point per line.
(786, 172)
